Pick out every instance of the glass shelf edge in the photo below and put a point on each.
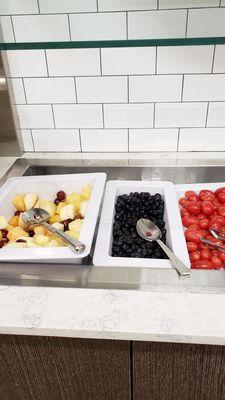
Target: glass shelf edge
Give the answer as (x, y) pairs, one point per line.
(113, 43)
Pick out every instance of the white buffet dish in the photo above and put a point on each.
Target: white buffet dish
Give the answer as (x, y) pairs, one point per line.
(46, 187)
(175, 236)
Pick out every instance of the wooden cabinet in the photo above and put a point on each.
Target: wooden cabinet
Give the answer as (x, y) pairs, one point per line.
(49, 368)
(170, 371)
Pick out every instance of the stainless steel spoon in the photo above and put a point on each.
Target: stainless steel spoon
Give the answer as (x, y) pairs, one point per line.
(40, 216)
(150, 232)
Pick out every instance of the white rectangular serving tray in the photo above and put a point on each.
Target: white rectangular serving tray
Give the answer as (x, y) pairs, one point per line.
(46, 187)
(175, 235)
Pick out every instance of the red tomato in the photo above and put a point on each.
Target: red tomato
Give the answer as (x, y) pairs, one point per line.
(203, 232)
(205, 192)
(205, 254)
(192, 246)
(188, 193)
(201, 264)
(200, 216)
(215, 253)
(216, 205)
(213, 215)
(194, 207)
(204, 223)
(182, 200)
(202, 246)
(194, 227)
(219, 219)
(192, 236)
(188, 221)
(221, 211)
(184, 212)
(216, 262)
(185, 204)
(194, 256)
(208, 197)
(214, 240)
(193, 197)
(214, 225)
(221, 197)
(207, 207)
(222, 256)
(220, 190)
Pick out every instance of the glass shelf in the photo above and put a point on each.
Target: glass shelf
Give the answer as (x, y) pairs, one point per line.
(113, 43)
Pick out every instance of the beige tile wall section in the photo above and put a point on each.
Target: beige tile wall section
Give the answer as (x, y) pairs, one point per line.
(142, 99)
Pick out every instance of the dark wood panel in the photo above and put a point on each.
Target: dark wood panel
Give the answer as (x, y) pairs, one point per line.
(167, 371)
(48, 368)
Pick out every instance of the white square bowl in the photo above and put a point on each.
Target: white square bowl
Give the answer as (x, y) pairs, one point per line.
(46, 187)
(173, 224)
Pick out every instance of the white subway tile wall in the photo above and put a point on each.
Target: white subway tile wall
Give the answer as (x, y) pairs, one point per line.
(137, 99)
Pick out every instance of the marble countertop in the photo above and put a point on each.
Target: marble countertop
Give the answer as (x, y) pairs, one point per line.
(111, 314)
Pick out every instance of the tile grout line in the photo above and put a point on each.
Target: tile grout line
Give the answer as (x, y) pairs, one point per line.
(126, 25)
(14, 35)
(187, 17)
(156, 60)
(213, 59)
(68, 16)
(75, 88)
(100, 56)
(25, 94)
(119, 76)
(53, 116)
(207, 113)
(97, 6)
(128, 140)
(157, 4)
(182, 90)
(38, 4)
(103, 117)
(178, 140)
(32, 138)
(128, 90)
(154, 115)
(80, 141)
(46, 60)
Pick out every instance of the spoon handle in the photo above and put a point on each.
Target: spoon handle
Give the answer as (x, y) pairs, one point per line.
(179, 266)
(75, 245)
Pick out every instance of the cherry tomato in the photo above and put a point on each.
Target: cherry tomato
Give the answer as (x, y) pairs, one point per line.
(205, 192)
(200, 216)
(213, 215)
(194, 227)
(192, 246)
(203, 232)
(222, 256)
(204, 223)
(194, 207)
(193, 197)
(205, 254)
(194, 256)
(221, 211)
(216, 205)
(187, 221)
(214, 225)
(216, 262)
(220, 190)
(214, 240)
(188, 193)
(182, 200)
(208, 197)
(185, 204)
(184, 212)
(221, 197)
(215, 253)
(207, 207)
(191, 236)
(219, 219)
(202, 264)
(202, 246)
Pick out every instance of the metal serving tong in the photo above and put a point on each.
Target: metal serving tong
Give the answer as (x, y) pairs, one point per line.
(216, 235)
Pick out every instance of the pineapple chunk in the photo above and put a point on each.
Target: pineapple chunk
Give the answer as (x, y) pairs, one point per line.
(74, 234)
(40, 230)
(16, 233)
(3, 223)
(54, 219)
(75, 226)
(86, 192)
(32, 244)
(76, 205)
(54, 243)
(30, 199)
(37, 204)
(83, 207)
(41, 240)
(48, 206)
(9, 227)
(19, 245)
(67, 212)
(14, 221)
(58, 226)
(60, 206)
(18, 202)
(73, 198)
(21, 223)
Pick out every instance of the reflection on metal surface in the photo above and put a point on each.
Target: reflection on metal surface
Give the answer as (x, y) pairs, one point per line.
(88, 276)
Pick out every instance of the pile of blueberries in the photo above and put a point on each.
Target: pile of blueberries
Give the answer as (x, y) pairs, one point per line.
(128, 210)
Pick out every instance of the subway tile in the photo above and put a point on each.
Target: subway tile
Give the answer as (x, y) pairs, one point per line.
(202, 139)
(78, 115)
(101, 26)
(184, 59)
(17, 90)
(172, 115)
(128, 115)
(27, 140)
(204, 87)
(35, 116)
(41, 28)
(155, 88)
(12, 7)
(26, 63)
(50, 90)
(188, 3)
(156, 24)
(128, 60)
(67, 6)
(145, 140)
(108, 89)
(107, 140)
(219, 61)
(59, 140)
(206, 22)
(6, 30)
(216, 114)
(63, 62)
(125, 5)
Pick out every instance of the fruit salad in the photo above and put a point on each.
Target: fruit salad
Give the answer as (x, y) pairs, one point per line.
(66, 213)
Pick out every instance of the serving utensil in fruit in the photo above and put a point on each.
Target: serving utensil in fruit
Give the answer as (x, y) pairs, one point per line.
(40, 216)
(217, 235)
(214, 245)
(150, 232)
